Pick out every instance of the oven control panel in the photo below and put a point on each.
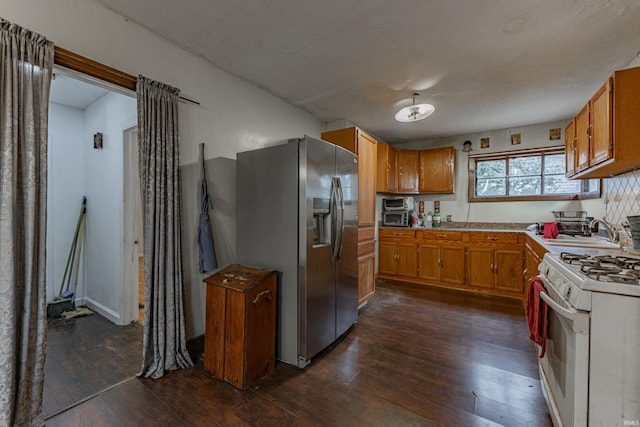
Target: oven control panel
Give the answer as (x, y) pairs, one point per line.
(565, 285)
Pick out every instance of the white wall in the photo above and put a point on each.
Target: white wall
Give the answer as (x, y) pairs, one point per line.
(457, 205)
(65, 190)
(110, 115)
(233, 116)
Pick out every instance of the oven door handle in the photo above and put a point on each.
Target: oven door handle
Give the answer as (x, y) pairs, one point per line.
(567, 314)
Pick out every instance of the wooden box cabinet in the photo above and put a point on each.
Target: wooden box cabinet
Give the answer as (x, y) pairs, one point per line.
(240, 329)
(607, 129)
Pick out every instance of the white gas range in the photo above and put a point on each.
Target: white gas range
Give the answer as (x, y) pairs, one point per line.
(591, 369)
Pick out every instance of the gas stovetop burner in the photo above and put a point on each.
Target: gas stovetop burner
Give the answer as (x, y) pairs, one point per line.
(625, 277)
(605, 268)
(620, 261)
(571, 258)
(588, 263)
(599, 272)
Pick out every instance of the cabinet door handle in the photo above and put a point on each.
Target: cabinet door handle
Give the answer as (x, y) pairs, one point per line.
(397, 234)
(442, 236)
(491, 267)
(493, 238)
(265, 294)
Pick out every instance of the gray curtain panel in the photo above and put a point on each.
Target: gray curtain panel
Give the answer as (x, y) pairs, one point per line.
(164, 343)
(26, 61)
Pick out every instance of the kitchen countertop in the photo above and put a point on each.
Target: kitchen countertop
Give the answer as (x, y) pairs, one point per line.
(504, 227)
(554, 249)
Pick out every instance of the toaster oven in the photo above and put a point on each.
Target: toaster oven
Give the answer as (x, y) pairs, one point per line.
(396, 218)
(398, 204)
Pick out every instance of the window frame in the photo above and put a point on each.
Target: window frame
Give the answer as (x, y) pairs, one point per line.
(507, 155)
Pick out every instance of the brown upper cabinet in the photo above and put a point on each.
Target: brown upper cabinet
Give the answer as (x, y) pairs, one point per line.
(407, 166)
(437, 169)
(360, 143)
(570, 147)
(415, 171)
(386, 172)
(607, 129)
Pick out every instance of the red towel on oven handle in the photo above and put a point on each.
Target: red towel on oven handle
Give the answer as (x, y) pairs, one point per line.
(537, 314)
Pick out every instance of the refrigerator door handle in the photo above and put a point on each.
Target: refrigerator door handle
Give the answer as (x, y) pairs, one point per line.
(340, 240)
(336, 219)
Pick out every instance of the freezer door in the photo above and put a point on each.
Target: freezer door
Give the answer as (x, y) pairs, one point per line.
(347, 263)
(317, 292)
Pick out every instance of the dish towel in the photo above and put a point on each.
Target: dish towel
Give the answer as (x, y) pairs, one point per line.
(550, 230)
(537, 314)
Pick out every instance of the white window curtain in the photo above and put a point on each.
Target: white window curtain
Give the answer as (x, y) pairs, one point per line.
(26, 62)
(164, 343)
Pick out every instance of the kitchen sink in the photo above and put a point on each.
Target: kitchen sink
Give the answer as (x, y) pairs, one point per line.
(581, 242)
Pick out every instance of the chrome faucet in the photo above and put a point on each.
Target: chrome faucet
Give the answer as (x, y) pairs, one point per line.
(611, 233)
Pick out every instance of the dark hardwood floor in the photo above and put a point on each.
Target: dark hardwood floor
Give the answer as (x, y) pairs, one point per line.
(418, 356)
(86, 355)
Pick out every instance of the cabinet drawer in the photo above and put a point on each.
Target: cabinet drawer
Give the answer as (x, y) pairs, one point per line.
(398, 232)
(441, 235)
(494, 237)
(366, 233)
(366, 247)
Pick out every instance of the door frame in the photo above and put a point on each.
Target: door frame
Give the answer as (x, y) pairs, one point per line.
(131, 226)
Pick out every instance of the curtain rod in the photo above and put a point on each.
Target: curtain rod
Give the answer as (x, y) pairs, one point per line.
(75, 62)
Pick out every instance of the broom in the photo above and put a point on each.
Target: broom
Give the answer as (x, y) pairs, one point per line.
(65, 301)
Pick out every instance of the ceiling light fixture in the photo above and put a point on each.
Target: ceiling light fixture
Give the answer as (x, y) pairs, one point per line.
(415, 112)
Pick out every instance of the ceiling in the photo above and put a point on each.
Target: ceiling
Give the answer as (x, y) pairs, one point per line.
(483, 64)
(69, 91)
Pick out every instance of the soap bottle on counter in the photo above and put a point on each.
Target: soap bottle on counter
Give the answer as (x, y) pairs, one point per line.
(428, 220)
(436, 219)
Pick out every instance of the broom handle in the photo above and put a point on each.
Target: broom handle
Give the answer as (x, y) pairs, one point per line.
(73, 245)
(77, 260)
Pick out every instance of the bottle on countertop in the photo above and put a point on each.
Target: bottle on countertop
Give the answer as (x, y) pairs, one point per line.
(436, 219)
(428, 220)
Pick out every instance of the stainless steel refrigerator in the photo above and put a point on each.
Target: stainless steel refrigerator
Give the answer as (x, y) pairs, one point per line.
(297, 213)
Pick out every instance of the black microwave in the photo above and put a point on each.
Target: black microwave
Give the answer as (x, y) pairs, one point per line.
(396, 218)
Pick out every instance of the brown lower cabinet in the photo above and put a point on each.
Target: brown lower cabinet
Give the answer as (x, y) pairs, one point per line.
(482, 262)
(397, 252)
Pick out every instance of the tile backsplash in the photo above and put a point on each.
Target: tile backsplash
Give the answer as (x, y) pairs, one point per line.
(623, 195)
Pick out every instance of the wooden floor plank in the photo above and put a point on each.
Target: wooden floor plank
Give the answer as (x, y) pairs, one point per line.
(417, 356)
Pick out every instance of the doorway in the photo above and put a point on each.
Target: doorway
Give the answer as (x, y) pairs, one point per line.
(85, 355)
(82, 110)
